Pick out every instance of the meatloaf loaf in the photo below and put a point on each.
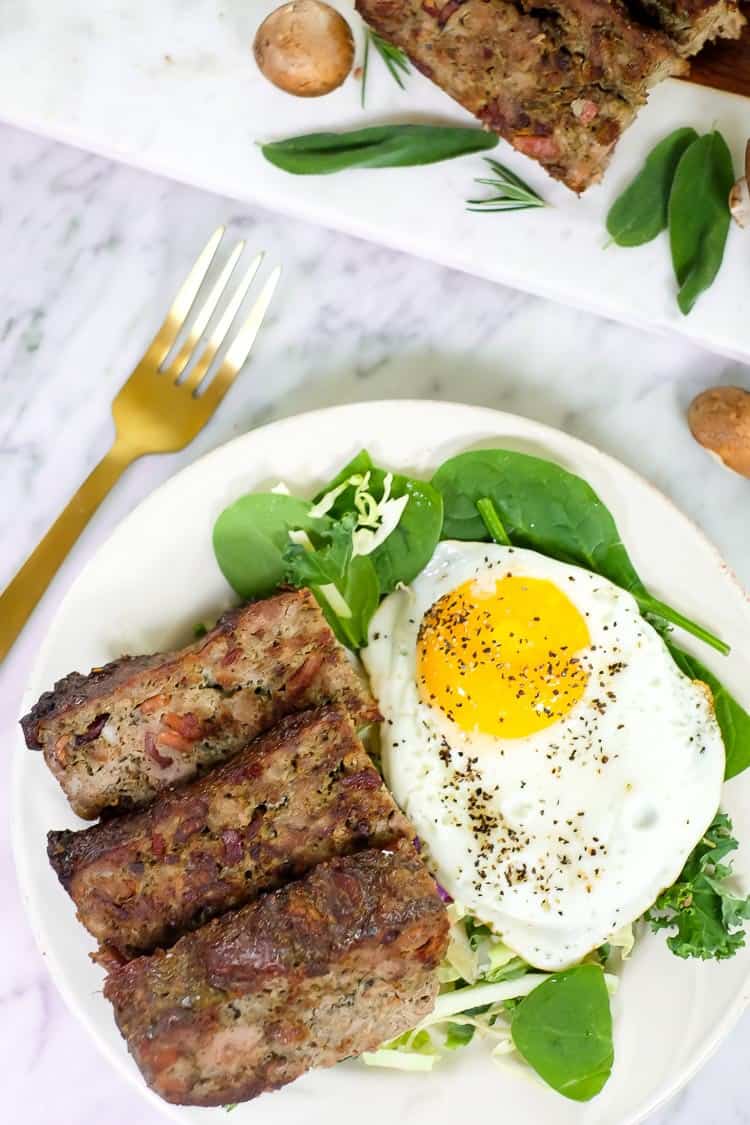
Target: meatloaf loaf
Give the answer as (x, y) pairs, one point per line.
(303, 793)
(559, 81)
(320, 970)
(693, 23)
(118, 736)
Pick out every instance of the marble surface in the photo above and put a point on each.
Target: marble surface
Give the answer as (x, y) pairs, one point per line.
(92, 253)
(171, 86)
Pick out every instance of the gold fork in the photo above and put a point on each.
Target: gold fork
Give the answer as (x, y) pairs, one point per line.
(160, 409)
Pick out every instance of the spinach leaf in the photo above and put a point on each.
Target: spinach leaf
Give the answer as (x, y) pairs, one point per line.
(346, 587)
(707, 916)
(360, 464)
(540, 505)
(641, 212)
(379, 146)
(544, 507)
(699, 216)
(733, 720)
(458, 1035)
(251, 535)
(410, 546)
(492, 521)
(564, 1031)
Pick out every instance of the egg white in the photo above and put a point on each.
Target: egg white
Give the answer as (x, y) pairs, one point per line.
(559, 838)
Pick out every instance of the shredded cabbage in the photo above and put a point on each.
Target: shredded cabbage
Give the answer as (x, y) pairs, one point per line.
(624, 940)
(481, 981)
(376, 519)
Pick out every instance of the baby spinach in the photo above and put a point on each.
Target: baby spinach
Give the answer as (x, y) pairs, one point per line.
(379, 146)
(411, 544)
(541, 506)
(564, 1031)
(699, 216)
(492, 521)
(733, 720)
(641, 211)
(346, 586)
(544, 507)
(251, 535)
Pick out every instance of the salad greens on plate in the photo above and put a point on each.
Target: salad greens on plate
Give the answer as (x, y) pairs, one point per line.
(370, 530)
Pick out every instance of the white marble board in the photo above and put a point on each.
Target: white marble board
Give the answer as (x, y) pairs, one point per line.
(172, 87)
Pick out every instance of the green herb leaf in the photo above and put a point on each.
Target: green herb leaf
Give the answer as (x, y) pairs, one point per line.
(733, 720)
(511, 192)
(380, 146)
(354, 578)
(492, 521)
(458, 1035)
(251, 535)
(411, 544)
(705, 913)
(699, 216)
(544, 507)
(564, 1031)
(394, 58)
(641, 212)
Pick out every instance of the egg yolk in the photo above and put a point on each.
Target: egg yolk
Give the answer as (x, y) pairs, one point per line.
(503, 658)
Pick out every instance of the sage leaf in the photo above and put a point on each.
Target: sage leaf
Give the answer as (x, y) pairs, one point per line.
(641, 211)
(733, 720)
(699, 216)
(379, 146)
(564, 1031)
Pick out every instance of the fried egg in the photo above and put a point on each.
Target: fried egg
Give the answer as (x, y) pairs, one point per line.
(556, 764)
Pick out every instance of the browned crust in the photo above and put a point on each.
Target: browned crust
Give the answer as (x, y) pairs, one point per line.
(691, 24)
(301, 794)
(318, 971)
(127, 731)
(559, 82)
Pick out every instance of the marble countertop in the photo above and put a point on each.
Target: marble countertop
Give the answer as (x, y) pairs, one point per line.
(92, 253)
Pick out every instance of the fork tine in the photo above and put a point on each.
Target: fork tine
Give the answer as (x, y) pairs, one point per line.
(204, 314)
(166, 335)
(219, 333)
(240, 348)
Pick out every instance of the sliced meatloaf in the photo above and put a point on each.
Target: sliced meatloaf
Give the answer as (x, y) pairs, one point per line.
(320, 970)
(693, 23)
(117, 737)
(301, 794)
(560, 82)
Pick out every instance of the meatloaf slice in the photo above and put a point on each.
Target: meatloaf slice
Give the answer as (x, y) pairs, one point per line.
(693, 23)
(560, 81)
(117, 737)
(301, 794)
(320, 970)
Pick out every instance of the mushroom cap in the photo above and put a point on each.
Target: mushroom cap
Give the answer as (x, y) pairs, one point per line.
(719, 420)
(305, 48)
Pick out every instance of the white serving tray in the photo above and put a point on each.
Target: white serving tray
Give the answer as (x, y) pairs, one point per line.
(172, 87)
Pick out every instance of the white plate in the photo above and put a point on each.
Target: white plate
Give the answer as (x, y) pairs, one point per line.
(172, 87)
(156, 577)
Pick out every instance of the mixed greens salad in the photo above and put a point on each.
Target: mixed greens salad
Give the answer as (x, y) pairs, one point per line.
(370, 530)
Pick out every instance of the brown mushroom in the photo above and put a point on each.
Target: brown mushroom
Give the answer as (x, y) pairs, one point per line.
(719, 420)
(739, 196)
(305, 48)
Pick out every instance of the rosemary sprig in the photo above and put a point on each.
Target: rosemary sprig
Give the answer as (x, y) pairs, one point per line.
(393, 57)
(512, 193)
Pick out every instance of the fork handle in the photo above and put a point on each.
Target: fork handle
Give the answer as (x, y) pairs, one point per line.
(21, 595)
